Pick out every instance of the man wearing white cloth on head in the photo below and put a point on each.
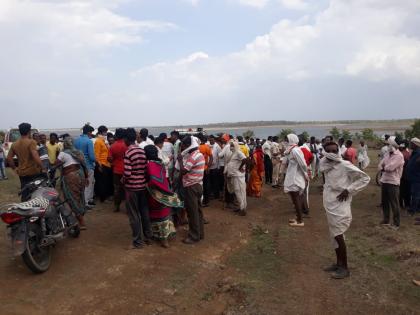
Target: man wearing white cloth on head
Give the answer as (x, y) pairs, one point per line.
(342, 181)
(296, 178)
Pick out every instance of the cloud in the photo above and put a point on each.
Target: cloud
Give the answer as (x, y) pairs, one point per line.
(254, 3)
(356, 45)
(294, 4)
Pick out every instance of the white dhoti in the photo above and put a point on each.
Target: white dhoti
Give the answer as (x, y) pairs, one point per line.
(339, 217)
(236, 185)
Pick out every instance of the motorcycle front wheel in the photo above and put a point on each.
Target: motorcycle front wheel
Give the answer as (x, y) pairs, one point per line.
(36, 257)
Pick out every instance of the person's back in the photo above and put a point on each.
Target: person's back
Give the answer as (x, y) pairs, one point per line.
(117, 152)
(27, 166)
(413, 166)
(85, 144)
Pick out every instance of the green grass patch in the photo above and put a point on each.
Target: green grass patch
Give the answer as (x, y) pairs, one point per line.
(258, 260)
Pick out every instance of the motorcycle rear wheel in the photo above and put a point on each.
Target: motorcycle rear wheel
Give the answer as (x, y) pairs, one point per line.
(35, 257)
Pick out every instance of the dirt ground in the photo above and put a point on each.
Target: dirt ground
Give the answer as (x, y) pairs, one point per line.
(245, 265)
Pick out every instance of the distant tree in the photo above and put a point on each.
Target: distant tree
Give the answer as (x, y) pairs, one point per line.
(335, 133)
(357, 136)
(284, 132)
(305, 135)
(414, 131)
(248, 134)
(368, 134)
(399, 136)
(346, 134)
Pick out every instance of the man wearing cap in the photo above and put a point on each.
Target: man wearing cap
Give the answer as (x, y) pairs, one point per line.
(413, 174)
(392, 167)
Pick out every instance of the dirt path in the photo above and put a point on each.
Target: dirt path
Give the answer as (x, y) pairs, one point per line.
(251, 265)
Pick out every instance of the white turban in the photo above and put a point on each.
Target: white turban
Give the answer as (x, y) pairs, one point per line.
(392, 142)
(416, 141)
(292, 139)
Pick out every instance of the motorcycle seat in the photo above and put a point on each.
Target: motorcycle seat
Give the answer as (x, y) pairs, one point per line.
(37, 202)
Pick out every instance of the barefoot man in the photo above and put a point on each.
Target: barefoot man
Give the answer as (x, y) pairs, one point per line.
(342, 181)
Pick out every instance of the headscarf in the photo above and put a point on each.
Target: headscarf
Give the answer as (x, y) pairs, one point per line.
(194, 145)
(226, 137)
(68, 147)
(392, 142)
(393, 145)
(416, 141)
(293, 141)
(329, 160)
(152, 153)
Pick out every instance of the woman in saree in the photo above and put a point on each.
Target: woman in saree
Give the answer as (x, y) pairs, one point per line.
(74, 178)
(256, 172)
(161, 199)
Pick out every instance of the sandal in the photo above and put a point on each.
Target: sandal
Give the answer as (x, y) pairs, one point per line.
(297, 224)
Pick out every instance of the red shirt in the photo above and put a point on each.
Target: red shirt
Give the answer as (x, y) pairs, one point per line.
(117, 152)
(350, 155)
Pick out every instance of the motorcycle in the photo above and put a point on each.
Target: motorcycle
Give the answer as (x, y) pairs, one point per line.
(36, 225)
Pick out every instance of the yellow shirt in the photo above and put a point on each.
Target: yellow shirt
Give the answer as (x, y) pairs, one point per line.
(101, 152)
(53, 150)
(244, 150)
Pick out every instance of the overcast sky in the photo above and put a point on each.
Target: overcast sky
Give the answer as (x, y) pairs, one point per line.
(162, 62)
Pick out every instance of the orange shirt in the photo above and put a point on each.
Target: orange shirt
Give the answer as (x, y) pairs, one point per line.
(101, 152)
(207, 152)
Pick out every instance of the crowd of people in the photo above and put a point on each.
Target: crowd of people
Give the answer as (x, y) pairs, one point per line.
(165, 182)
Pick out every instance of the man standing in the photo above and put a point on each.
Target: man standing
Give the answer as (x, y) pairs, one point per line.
(134, 179)
(235, 174)
(405, 190)
(392, 167)
(296, 178)
(144, 139)
(205, 150)
(313, 147)
(117, 153)
(84, 143)
(103, 171)
(2, 162)
(413, 173)
(53, 147)
(214, 167)
(192, 165)
(350, 154)
(29, 163)
(276, 162)
(342, 181)
(42, 150)
(268, 164)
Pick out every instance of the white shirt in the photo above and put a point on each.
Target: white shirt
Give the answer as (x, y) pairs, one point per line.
(216, 149)
(235, 161)
(297, 171)
(145, 143)
(67, 159)
(224, 155)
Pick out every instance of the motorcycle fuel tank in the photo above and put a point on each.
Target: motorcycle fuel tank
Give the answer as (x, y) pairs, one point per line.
(46, 192)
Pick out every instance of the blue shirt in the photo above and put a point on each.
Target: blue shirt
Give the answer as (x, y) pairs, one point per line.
(84, 144)
(413, 167)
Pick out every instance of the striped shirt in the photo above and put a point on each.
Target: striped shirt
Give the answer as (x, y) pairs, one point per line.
(195, 164)
(135, 164)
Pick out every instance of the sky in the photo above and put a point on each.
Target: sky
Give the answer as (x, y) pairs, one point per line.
(169, 62)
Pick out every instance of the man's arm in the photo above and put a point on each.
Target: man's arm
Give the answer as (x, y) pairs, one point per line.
(91, 152)
(394, 164)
